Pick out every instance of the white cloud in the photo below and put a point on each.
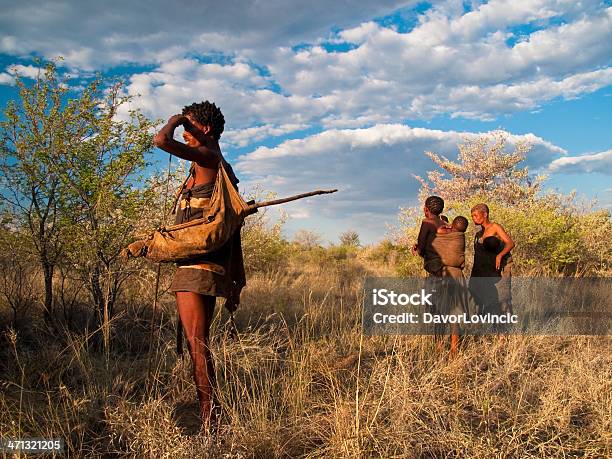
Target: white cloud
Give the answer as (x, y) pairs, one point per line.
(247, 136)
(300, 214)
(239, 89)
(451, 63)
(28, 71)
(93, 35)
(485, 102)
(460, 65)
(6, 78)
(502, 57)
(595, 162)
(33, 72)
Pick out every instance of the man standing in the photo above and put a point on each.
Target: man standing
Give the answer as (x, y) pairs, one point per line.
(198, 282)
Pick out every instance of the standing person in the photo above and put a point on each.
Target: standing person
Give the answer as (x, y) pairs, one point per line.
(491, 262)
(197, 283)
(432, 260)
(434, 205)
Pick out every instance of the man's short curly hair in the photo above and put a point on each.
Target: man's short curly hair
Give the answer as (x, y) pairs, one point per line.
(209, 115)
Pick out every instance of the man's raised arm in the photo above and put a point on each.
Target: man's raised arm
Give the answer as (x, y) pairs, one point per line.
(164, 139)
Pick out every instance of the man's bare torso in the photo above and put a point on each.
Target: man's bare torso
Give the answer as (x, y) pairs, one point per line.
(201, 175)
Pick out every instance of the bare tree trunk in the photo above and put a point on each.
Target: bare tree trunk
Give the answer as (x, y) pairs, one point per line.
(97, 295)
(48, 269)
(98, 300)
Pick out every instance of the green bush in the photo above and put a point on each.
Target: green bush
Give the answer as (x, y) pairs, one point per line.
(552, 237)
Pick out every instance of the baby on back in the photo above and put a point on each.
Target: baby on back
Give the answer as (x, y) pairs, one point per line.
(459, 225)
(449, 243)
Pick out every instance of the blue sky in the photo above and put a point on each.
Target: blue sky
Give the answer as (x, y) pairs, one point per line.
(349, 94)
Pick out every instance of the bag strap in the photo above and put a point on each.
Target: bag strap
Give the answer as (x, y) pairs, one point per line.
(182, 187)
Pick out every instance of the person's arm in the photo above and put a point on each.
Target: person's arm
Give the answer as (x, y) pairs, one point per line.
(202, 155)
(419, 247)
(508, 244)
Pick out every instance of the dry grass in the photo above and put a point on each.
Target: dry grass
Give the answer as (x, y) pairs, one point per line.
(301, 381)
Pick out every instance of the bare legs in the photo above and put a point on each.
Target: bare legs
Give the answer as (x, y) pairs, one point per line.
(454, 337)
(196, 314)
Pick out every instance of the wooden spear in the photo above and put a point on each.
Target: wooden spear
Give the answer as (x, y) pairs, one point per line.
(253, 207)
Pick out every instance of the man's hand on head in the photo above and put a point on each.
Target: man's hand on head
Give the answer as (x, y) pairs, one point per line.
(178, 119)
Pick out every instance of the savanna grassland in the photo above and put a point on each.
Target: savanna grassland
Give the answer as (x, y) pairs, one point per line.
(301, 380)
